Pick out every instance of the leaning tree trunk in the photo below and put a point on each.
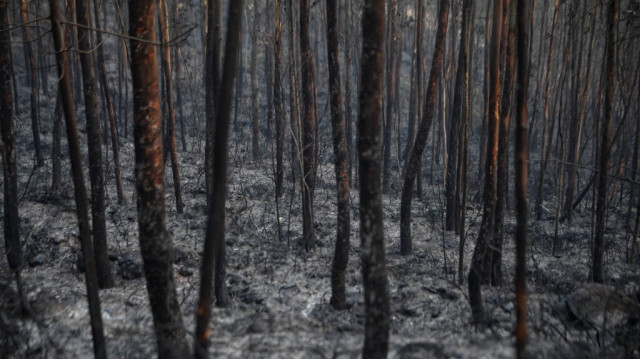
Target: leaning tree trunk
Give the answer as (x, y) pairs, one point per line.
(605, 146)
(480, 263)
(80, 191)
(308, 129)
(99, 227)
(374, 272)
(420, 142)
(8, 147)
(156, 245)
(215, 243)
(170, 133)
(341, 257)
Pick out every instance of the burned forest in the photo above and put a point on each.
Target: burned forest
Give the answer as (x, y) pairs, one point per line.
(320, 179)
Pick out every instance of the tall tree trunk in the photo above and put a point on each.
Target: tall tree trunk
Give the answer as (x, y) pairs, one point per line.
(255, 100)
(420, 142)
(277, 100)
(56, 135)
(521, 155)
(460, 113)
(347, 87)
(294, 103)
(543, 151)
(212, 79)
(80, 190)
(104, 84)
(341, 256)
(8, 147)
(509, 44)
(480, 263)
(392, 6)
(374, 273)
(99, 228)
(214, 246)
(308, 129)
(156, 245)
(32, 69)
(170, 132)
(605, 147)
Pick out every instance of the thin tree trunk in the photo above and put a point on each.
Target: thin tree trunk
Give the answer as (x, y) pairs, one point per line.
(605, 147)
(214, 246)
(80, 191)
(376, 286)
(170, 131)
(308, 129)
(212, 76)
(347, 87)
(89, 83)
(420, 142)
(156, 245)
(392, 6)
(255, 100)
(8, 148)
(480, 263)
(30, 62)
(56, 135)
(277, 100)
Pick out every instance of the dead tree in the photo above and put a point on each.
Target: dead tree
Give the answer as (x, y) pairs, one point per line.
(605, 145)
(480, 263)
(156, 245)
(341, 257)
(8, 147)
(392, 37)
(521, 155)
(89, 84)
(32, 69)
(110, 106)
(170, 131)
(374, 272)
(214, 246)
(277, 100)
(308, 129)
(212, 79)
(80, 190)
(420, 142)
(255, 96)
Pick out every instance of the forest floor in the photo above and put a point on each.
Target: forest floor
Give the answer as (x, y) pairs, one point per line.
(280, 293)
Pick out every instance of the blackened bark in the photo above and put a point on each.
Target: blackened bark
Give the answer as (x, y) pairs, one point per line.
(341, 256)
(170, 132)
(102, 70)
(212, 79)
(308, 129)
(56, 135)
(392, 6)
(479, 271)
(8, 146)
(156, 245)
(605, 146)
(521, 155)
(78, 182)
(89, 84)
(214, 246)
(277, 100)
(32, 68)
(255, 100)
(374, 272)
(420, 142)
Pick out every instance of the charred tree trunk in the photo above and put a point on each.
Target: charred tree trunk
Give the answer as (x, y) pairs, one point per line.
(255, 100)
(480, 263)
(374, 273)
(8, 147)
(99, 228)
(80, 191)
(308, 129)
(156, 245)
(520, 165)
(170, 131)
(605, 146)
(32, 69)
(214, 246)
(392, 6)
(111, 112)
(420, 142)
(212, 79)
(277, 100)
(341, 256)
